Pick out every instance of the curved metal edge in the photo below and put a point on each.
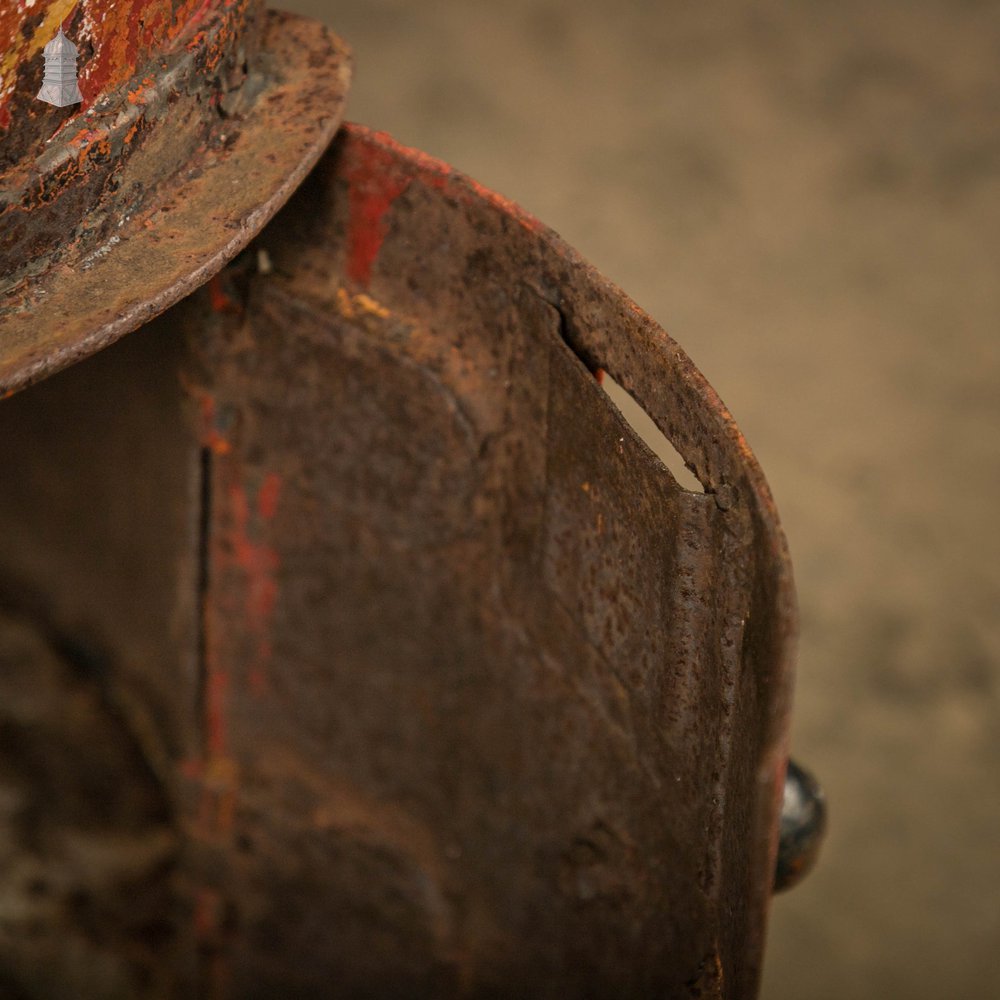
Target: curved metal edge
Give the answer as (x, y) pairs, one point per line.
(653, 368)
(216, 209)
(120, 38)
(41, 196)
(650, 365)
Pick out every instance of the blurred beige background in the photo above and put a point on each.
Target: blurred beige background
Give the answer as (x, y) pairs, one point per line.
(808, 197)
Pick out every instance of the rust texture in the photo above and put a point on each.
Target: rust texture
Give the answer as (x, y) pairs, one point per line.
(118, 39)
(173, 165)
(127, 52)
(427, 676)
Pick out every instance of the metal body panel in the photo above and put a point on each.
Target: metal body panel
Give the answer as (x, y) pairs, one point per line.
(449, 689)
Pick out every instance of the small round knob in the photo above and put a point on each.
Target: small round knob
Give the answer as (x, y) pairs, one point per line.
(803, 825)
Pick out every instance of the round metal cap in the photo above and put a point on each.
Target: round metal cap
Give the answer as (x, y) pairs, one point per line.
(198, 119)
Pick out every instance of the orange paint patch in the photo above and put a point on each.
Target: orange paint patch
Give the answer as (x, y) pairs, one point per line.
(218, 299)
(209, 431)
(258, 560)
(377, 179)
(267, 499)
(247, 564)
(378, 153)
(216, 703)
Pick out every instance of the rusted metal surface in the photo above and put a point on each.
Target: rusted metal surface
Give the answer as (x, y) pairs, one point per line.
(199, 120)
(441, 685)
(86, 839)
(118, 41)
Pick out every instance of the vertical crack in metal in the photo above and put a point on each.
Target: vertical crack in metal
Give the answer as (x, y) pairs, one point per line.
(205, 469)
(207, 959)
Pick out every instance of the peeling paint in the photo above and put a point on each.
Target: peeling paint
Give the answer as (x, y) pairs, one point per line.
(375, 183)
(121, 38)
(377, 177)
(16, 47)
(238, 550)
(352, 306)
(57, 207)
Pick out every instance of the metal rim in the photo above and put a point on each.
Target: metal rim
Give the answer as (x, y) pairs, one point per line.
(121, 267)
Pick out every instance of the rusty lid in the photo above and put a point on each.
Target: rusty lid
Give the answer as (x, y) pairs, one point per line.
(198, 119)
